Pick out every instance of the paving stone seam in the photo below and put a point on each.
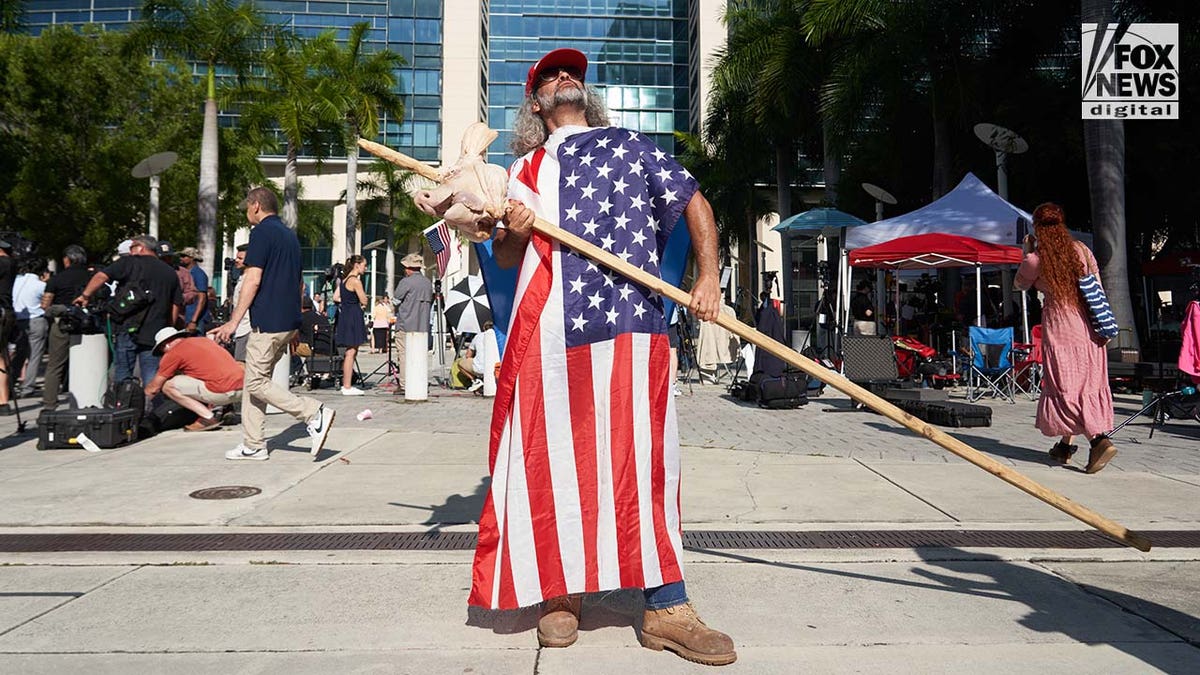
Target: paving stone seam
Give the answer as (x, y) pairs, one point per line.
(908, 492)
(69, 600)
(1090, 591)
(321, 466)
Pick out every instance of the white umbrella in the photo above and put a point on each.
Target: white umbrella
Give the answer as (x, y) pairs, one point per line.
(467, 306)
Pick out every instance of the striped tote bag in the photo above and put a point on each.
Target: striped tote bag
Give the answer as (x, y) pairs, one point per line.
(1099, 311)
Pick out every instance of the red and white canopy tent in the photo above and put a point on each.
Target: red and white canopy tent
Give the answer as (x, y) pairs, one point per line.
(937, 250)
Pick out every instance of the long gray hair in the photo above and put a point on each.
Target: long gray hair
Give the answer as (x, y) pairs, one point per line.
(530, 132)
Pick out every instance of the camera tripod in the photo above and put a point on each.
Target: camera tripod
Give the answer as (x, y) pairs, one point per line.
(390, 379)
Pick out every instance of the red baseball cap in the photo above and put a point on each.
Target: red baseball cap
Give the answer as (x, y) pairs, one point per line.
(571, 58)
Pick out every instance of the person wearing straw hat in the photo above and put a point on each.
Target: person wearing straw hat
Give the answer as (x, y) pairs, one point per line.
(197, 373)
(413, 298)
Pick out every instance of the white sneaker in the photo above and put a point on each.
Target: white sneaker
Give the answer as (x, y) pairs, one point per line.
(352, 391)
(678, 391)
(318, 428)
(475, 385)
(242, 452)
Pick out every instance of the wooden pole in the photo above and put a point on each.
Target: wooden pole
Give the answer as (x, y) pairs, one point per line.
(812, 368)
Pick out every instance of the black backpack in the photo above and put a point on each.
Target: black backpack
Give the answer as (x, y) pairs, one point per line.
(127, 394)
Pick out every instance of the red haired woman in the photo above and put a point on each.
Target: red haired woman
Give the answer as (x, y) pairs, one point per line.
(1076, 399)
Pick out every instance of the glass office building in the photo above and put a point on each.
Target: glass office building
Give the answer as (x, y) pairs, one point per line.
(411, 28)
(638, 54)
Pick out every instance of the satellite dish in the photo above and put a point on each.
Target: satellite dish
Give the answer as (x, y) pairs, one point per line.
(762, 245)
(154, 164)
(999, 138)
(879, 193)
(375, 244)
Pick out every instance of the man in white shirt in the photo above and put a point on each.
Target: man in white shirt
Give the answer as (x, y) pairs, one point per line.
(32, 327)
(242, 334)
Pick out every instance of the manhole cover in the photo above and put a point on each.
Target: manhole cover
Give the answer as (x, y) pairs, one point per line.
(226, 492)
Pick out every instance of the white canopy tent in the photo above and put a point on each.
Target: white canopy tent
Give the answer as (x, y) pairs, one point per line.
(971, 209)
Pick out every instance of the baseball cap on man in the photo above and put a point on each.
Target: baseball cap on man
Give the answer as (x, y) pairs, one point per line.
(193, 253)
(558, 58)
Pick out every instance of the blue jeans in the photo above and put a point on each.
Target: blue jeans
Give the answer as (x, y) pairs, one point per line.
(127, 352)
(667, 595)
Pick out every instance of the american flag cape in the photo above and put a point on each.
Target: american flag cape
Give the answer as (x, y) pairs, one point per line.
(584, 450)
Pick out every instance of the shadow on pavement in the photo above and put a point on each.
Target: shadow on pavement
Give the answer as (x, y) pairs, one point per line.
(1009, 582)
(614, 609)
(456, 510)
(990, 446)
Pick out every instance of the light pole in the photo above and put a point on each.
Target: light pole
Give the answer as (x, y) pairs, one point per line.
(151, 168)
(1003, 142)
(881, 197)
(374, 247)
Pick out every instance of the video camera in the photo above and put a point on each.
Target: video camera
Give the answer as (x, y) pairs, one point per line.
(334, 272)
(82, 320)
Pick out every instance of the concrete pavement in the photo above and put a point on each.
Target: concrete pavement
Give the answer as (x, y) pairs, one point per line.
(417, 467)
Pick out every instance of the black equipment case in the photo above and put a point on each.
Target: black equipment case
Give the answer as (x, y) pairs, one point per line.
(106, 427)
(947, 414)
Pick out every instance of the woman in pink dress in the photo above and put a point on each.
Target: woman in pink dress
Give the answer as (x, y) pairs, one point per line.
(1076, 399)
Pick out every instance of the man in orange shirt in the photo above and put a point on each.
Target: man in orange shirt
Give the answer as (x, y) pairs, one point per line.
(197, 373)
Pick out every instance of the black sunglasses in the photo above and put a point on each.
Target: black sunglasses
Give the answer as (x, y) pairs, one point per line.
(551, 74)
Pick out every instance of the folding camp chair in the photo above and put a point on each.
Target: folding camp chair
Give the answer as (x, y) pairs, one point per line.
(991, 370)
(1027, 370)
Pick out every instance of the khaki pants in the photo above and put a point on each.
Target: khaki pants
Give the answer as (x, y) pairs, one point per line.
(192, 388)
(263, 350)
(864, 327)
(401, 349)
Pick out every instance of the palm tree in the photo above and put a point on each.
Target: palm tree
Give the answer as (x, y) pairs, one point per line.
(389, 196)
(769, 65)
(364, 89)
(215, 33)
(1104, 144)
(293, 100)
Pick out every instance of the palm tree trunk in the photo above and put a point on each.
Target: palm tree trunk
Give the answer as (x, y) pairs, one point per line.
(352, 196)
(832, 165)
(942, 157)
(1104, 145)
(291, 188)
(389, 260)
(206, 218)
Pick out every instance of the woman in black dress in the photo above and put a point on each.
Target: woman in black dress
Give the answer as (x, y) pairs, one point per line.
(351, 330)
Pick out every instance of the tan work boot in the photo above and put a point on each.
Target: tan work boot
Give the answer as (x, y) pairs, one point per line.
(1100, 455)
(559, 625)
(680, 630)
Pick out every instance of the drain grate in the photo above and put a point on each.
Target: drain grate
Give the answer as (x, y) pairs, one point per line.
(226, 492)
(465, 541)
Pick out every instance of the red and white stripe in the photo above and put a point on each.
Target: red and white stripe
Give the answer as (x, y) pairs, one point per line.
(584, 450)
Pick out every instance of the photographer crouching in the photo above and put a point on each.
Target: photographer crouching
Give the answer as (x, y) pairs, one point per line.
(62, 288)
(147, 300)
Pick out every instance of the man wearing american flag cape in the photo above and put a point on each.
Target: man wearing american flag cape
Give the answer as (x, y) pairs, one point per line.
(584, 449)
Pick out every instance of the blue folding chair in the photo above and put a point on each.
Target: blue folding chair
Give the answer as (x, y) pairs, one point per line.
(991, 370)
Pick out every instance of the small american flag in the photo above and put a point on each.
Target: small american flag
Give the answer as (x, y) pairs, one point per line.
(584, 449)
(438, 237)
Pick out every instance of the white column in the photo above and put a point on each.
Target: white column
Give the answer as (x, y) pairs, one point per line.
(416, 366)
(155, 182)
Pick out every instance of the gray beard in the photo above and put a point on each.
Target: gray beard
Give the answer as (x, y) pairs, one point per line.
(574, 97)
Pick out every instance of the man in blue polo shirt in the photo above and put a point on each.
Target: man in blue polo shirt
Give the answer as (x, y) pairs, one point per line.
(271, 293)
